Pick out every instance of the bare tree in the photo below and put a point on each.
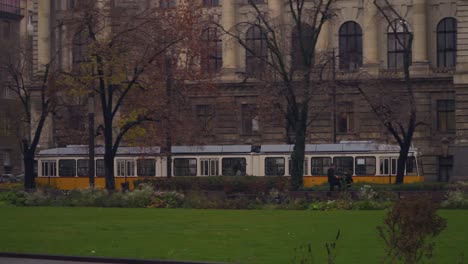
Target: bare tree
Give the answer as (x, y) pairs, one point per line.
(396, 107)
(36, 94)
(297, 78)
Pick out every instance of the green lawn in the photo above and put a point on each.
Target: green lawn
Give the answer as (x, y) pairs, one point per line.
(258, 236)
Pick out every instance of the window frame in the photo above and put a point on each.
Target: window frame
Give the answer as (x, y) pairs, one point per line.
(188, 170)
(243, 163)
(372, 165)
(446, 31)
(256, 52)
(212, 59)
(128, 167)
(297, 57)
(276, 169)
(395, 49)
(323, 166)
(350, 57)
(445, 112)
(49, 166)
(146, 171)
(340, 170)
(213, 163)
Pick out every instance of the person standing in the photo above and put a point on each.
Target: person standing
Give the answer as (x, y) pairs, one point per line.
(333, 179)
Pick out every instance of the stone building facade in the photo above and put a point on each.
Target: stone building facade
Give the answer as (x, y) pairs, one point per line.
(439, 70)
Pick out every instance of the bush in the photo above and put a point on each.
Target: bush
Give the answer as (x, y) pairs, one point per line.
(455, 200)
(13, 197)
(408, 229)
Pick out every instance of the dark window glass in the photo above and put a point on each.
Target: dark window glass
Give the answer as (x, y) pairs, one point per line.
(164, 4)
(79, 47)
(445, 168)
(302, 54)
(82, 167)
(446, 115)
(205, 115)
(256, 53)
(306, 166)
(209, 167)
(398, 44)
(210, 3)
(411, 168)
(345, 118)
(320, 165)
(67, 168)
(100, 168)
(212, 58)
(185, 167)
(49, 168)
(249, 119)
(447, 42)
(274, 167)
(365, 165)
(256, 1)
(343, 165)
(350, 43)
(146, 167)
(234, 167)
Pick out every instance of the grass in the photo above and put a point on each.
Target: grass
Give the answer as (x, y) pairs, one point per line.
(257, 236)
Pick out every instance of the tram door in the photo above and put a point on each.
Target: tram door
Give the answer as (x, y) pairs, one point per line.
(388, 166)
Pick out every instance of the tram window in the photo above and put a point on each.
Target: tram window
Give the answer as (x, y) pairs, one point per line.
(67, 168)
(234, 167)
(209, 167)
(306, 166)
(343, 165)
(100, 169)
(394, 166)
(125, 167)
(49, 168)
(384, 166)
(365, 165)
(411, 166)
(185, 167)
(320, 165)
(146, 167)
(82, 167)
(274, 167)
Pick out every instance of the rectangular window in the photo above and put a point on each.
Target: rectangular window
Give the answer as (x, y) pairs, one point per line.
(384, 166)
(234, 167)
(411, 168)
(446, 115)
(274, 166)
(205, 115)
(320, 165)
(209, 167)
(249, 119)
(49, 168)
(67, 168)
(306, 166)
(345, 118)
(164, 4)
(343, 165)
(365, 166)
(210, 3)
(100, 168)
(82, 167)
(146, 167)
(445, 168)
(185, 167)
(125, 168)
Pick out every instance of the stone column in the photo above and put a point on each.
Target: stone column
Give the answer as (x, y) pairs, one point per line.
(43, 43)
(370, 38)
(419, 27)
(230, 44)
(276, 8)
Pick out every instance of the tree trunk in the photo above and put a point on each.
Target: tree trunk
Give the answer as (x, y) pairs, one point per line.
(401, 163)
(297, 157)
(108, 156)
(28, 159)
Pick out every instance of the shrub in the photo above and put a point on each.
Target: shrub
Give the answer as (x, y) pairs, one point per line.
(408, 228)
(13, 197)
(455, 200)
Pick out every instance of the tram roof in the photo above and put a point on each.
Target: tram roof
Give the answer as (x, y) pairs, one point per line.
(78, 150)
(341, 147)
(212, 149)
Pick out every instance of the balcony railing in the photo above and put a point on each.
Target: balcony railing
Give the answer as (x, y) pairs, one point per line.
(10, 7)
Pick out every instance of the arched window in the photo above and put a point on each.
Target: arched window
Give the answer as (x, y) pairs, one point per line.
(302, 59)
(447, 42)
(256, 51)
(398, 37)
(212, 57)
(350, 52)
